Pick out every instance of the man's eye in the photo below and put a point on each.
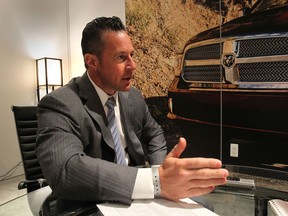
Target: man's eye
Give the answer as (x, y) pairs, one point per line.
(122, 57)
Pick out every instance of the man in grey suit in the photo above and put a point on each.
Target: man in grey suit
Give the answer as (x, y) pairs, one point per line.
(75, 146)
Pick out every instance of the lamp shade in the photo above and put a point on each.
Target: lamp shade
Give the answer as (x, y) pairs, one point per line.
(49, 75)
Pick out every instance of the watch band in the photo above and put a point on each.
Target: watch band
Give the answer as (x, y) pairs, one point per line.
(156, 181)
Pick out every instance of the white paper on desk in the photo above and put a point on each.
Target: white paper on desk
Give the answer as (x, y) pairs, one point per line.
(156, 207)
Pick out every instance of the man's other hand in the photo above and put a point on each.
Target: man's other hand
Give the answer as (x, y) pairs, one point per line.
(188, 177)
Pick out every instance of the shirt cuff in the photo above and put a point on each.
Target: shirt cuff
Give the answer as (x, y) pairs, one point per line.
(144, 187)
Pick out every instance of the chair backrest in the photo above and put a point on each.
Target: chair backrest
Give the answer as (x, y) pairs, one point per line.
(26, 127)
(42, 200)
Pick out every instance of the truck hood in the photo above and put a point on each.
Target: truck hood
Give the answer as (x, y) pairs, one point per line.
(249, 25)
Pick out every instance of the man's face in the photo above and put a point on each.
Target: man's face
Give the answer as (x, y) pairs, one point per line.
(115, 67)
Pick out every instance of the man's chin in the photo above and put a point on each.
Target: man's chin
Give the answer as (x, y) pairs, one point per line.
(126, 88)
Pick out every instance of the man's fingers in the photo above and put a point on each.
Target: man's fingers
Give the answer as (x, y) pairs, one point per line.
(178, 148)
(201, 162)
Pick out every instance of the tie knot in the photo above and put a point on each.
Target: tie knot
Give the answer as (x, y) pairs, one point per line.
(111, 103)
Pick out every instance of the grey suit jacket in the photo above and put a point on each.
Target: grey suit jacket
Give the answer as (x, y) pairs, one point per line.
(75, 148)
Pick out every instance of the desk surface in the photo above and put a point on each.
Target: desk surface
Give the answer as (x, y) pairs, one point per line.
(229, 202)
(226, 203)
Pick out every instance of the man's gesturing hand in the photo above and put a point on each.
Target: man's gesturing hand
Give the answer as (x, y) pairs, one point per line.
(188, 177)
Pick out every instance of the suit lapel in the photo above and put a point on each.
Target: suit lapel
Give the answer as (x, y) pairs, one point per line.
(126, 108)
(93, 106)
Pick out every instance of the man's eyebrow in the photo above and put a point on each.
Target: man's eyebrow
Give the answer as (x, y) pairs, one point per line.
(126, 52)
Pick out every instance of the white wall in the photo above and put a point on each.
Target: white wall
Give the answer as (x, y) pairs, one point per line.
(31, 29)
(78, 20)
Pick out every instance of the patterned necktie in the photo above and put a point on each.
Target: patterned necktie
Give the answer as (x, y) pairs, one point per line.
(120, 155)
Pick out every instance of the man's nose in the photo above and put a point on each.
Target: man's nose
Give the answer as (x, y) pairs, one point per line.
(131, 64)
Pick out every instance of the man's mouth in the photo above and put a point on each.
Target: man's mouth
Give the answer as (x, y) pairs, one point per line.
(128, 78)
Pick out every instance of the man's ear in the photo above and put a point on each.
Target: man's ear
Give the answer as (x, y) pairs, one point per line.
(91, 60)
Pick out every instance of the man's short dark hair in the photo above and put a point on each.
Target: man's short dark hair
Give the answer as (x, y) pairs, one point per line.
(92, 34)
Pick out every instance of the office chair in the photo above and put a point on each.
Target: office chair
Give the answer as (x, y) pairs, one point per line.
(38, 192)
(41, 200)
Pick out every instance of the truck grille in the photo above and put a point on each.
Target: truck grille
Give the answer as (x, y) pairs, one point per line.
(264, 72)
(203, 73)
(263, 47)
(252, 60)
(212, 51)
